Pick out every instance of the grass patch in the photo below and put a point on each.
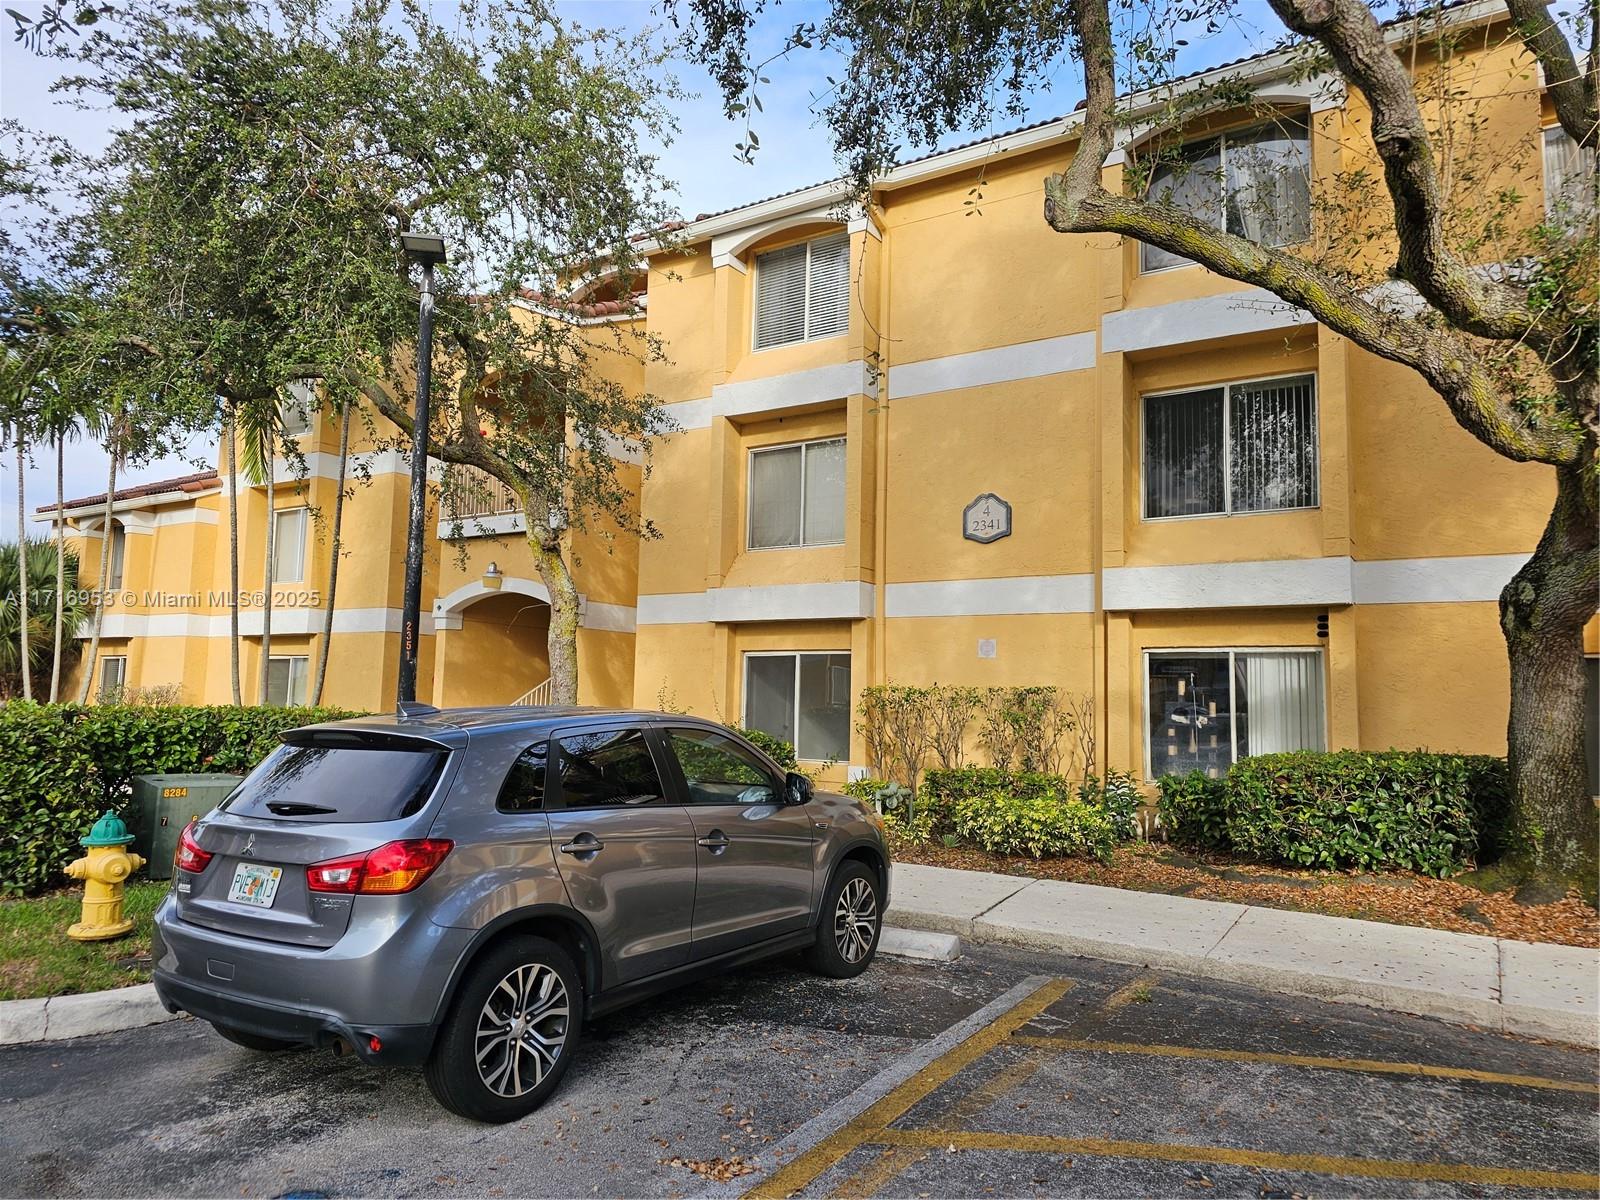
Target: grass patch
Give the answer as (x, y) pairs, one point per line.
(37, 958)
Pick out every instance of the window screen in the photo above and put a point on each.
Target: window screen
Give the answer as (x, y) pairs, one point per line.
(803, 292)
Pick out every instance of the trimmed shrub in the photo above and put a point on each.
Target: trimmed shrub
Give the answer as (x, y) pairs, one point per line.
(1044, 823)
(1193, 810)
(61, 766)
(778, 750)
(1396, 809)
(1119, 797)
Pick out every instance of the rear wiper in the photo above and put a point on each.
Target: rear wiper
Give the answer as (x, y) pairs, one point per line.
(287, 808)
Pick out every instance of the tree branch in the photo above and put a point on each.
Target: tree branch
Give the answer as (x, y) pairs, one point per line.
(1572, 91)
(1076, 202)
(1480, 306)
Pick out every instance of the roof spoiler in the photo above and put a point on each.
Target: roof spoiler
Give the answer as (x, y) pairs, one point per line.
(408, 710)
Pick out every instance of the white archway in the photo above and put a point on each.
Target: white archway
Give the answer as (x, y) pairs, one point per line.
(447, 610)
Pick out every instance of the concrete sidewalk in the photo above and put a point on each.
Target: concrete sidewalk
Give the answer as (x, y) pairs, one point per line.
(1517, 987)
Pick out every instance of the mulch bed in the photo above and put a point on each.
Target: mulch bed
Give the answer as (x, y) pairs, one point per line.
(1399, 898)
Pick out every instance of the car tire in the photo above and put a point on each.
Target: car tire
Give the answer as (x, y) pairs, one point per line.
(260, 1043)
(519, 1010)
(850, 923)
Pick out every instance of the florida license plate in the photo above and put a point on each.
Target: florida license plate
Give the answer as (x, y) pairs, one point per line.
(255, 884)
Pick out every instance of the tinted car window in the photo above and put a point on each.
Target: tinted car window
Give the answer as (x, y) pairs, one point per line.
(717, 770)
(339, 784)
(607, 769)
(523, 790)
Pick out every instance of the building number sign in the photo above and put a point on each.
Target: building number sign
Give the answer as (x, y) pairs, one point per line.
(986, 519)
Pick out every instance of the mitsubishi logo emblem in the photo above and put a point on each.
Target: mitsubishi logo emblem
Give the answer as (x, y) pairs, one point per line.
(249, 845)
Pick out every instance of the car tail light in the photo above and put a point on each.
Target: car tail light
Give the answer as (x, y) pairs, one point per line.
(189, 856)
(389, 870)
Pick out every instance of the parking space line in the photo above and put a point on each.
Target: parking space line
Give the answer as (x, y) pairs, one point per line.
(1321, 1164)
(869, 1180)
(872, 1122)
(1376, 1066)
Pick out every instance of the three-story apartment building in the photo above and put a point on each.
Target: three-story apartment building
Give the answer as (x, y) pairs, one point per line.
(926, 440)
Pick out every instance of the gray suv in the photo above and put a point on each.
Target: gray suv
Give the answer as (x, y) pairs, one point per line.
(461, 889)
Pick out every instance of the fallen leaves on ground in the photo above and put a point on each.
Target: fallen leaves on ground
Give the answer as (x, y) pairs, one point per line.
(1397, 898)
(718, 1170)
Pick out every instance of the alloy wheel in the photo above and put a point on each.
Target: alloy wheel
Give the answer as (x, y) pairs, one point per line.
(521, 1030)
(855, 920)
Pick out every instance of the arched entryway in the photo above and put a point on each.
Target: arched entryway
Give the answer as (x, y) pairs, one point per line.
(491, 645)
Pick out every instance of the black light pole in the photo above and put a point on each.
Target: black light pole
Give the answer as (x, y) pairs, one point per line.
(427, 250)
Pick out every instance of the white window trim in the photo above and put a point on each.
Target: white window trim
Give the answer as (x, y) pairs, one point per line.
(117, 564)
(805, 314)
(1222, 163)
(794, 701)
(1231, 652)
(291, 659)
(277, 544)
(1227, 448)
(107, 659)
(750, 493)
(301, 398)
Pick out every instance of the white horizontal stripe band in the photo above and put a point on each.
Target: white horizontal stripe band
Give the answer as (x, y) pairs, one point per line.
(846, 600)
(1024, 360)
(775, 393)
(1478, 577)
(289, 622)
(1199, 320)
(991, 597)
(1271, 584)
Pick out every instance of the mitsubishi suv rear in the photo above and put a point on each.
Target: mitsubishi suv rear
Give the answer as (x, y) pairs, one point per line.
(461, 889)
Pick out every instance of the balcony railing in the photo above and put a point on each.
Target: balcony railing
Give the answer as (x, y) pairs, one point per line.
(471, 493)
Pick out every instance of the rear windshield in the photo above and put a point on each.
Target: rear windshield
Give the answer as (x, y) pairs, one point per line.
(339, 783)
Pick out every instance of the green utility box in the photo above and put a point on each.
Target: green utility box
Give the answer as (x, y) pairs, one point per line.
(162, 805)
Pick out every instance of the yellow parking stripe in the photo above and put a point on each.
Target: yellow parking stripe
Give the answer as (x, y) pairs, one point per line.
(804, 1168)
(1426, 1070)
(1321, 1164)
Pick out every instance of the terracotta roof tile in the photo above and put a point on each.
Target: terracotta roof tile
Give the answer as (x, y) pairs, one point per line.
(200, 481)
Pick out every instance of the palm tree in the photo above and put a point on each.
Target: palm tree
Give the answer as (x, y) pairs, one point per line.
(259, 423)
(40, 559)
(333, 558)
(20, 430)
(113, 433)
(230, 439)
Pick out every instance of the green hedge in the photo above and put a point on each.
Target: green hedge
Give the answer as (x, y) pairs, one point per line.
(949, 792)
(61, 766)
(1396, 809)
(780, 751)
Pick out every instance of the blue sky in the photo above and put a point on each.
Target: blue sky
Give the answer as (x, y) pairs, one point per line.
(796, 152)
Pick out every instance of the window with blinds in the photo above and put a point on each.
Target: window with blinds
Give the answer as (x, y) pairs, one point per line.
(1206, 709)
(1241, 448)
(797, 495)
(1252, 182)
(803, 292)
(1570, 182)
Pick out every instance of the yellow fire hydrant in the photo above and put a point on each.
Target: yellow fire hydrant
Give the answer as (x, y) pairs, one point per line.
(105, 868)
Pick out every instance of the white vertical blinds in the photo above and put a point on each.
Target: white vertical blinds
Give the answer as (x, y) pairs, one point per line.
(1245, 447)
(1272, 445)
(1570, 182)
(1284, 702)
(803, 292)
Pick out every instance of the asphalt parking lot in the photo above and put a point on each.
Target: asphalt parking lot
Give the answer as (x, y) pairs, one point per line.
(1000, 1074)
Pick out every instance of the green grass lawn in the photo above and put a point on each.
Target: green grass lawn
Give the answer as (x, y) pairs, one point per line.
(37, 958)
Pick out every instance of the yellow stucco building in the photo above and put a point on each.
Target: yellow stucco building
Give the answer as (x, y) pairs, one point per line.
(918, 444)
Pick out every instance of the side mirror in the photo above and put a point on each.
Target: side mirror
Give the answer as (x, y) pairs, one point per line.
(798, 787)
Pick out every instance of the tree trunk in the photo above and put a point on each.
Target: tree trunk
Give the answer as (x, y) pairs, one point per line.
(266, 576)
(231, 433)
(22, 563)
(1542, 613)
(61, 562)
(333, 557)
(562, 642)
(106, 533)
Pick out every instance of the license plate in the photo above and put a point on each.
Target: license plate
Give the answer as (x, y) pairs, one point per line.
(255, 884)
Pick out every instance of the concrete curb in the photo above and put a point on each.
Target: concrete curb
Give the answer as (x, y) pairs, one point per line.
(916, 943)
(1543, 991)
(57, 1018)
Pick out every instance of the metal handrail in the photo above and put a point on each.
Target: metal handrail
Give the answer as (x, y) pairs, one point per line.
(472, 493)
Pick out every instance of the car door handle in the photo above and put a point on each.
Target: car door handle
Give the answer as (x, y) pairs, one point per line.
(716, 841)
(583, 844)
